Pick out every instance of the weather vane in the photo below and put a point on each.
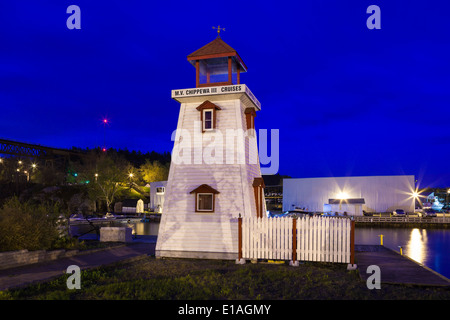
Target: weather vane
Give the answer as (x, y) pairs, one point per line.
(218, 30)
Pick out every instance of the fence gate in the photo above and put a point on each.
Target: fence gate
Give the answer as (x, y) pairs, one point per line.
(324, 239)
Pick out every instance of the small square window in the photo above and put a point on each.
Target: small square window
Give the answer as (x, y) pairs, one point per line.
(160, 190)
(204, 198)
(205, 202)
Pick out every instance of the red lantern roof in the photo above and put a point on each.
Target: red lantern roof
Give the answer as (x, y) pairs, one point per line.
(216, 49)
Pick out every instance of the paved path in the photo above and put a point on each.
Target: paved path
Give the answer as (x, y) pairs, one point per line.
(25, 275)
(395, 268)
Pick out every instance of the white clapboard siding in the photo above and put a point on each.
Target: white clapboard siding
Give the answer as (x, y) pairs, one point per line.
(181, 227)
(205, 234)
(318, 239)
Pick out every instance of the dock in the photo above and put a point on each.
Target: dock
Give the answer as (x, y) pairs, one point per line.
(395, 268)
(441, 221)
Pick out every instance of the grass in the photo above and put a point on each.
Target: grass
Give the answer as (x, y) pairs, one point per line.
(183, 279)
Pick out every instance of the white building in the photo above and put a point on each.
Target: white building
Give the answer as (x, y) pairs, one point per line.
(215, 173)
(133, 206)
(157, 193)
(350, 194)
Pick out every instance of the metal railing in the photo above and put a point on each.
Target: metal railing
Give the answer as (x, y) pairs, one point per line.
(402, 219)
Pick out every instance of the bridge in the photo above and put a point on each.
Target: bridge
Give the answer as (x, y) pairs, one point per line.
(27, 150)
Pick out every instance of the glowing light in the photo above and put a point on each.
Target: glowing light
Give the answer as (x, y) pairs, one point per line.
(105, 120)
(342, 195)
(33, 165)
(416, 245)
(131, 175)
(413, 195)
(104, 149)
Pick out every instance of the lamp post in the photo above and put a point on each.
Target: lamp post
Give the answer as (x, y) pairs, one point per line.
(415, 196)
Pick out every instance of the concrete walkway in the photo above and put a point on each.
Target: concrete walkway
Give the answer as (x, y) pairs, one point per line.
(25, 275)
(395, 268)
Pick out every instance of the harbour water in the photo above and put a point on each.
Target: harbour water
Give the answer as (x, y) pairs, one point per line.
(139, 228)
(430, 247)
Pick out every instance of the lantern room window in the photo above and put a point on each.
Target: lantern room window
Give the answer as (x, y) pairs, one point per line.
(217, 64)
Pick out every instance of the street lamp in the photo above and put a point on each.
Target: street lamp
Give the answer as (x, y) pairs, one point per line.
(415, 195)
(131, 175)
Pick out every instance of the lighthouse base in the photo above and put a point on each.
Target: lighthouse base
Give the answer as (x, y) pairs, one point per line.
(196, 255)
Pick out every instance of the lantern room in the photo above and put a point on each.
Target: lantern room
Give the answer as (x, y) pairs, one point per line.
(217, 64)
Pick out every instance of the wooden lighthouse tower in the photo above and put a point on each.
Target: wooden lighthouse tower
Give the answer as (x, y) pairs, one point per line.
(215, 173)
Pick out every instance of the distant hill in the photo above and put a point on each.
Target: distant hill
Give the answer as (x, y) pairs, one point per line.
(274, 180)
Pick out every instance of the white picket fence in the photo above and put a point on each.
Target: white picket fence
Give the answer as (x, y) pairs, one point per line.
(324, 239)
(267, 238)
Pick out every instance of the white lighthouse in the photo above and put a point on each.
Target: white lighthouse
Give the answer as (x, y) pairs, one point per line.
(215, 174)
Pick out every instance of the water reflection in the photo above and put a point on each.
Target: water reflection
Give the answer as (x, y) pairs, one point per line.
(416, 247)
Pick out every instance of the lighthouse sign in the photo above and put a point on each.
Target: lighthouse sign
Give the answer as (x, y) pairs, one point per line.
(210, 91)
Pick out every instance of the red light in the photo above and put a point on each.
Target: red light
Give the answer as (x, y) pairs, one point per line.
(104, 149)
(105, 120)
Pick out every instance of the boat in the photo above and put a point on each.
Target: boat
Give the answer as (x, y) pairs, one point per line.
(76, 217)
(300, 210)
(432, 202)
(109, 216)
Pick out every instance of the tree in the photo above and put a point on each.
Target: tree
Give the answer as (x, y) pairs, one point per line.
(154, 171)
(103, 175)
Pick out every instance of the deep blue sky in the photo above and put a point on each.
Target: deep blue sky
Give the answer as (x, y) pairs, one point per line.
(347, 100)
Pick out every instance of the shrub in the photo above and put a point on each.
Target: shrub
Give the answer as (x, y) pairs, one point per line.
(24, 225)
